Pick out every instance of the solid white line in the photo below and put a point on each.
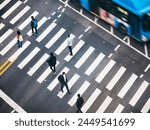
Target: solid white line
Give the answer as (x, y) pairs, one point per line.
(4, 3)
(104, 105)
(14, 105)
(75, 50)
(84, 57)
(104, 72)
(5, 35)
(71, 82)
(63, 45)
(146, 107)
(147, 68)
(2, 25)
(19, 51)
(96, 62)
(138, 93)
(38, 64)
(91, 100)
(55, 81)
(116, 78)
(46, 32)
(55, 38)
(27, 21)
(119, 109)
(81, 90)
(18, 16)
(8, 47)
(87, 29)
(106, 30)
(45, 74)
(127, 86)
(146, 50)
(6, 14)
(40, 23)
(28, 58)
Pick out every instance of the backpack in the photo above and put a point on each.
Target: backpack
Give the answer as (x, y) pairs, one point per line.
(60, 78)
(35, 23)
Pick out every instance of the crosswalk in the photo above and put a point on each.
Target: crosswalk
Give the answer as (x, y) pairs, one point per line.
(100, 67)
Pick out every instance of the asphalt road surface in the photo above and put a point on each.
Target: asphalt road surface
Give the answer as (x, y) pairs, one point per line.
(108, 69)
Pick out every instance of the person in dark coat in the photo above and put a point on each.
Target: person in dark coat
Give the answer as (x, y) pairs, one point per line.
(34, 24)
(79, 103)
(63, 81)
(52, 62)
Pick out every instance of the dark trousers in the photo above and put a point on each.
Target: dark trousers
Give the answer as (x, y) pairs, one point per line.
(79, 109)
(19, 44)
(70, 50)
(35, 30)
(64, 84)
(53, 68)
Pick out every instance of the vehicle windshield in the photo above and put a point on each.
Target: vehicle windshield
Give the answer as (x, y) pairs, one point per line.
(146, 23)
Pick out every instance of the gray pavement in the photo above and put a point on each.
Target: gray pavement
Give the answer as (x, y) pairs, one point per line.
(112, 76)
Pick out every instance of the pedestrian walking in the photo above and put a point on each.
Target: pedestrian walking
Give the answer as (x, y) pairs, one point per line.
(52, 62)
(34, 25)
(79, 103)
(63, 81)
(70, 42)
(19, 39)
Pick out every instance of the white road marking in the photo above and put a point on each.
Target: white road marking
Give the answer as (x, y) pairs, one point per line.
(110, 55)
(71, 82)
(2, 25)
(19, 51)
(14, 105)
(117, 48)
(96, 62)
(104, 105)
(16, 5)
(104, 72)
(116, 78)
(119, 109)
(40, 23)
(8, 47)
(139, 93)
(146, 107)
(84, 57)
(63, 45)
(5, 35)
(91, 100)
(4, 3)
(146, 50)
(55, 38)
(147, 68)
(75, 50)
(38, 64)
(18, 16)
(55, 81)
(81, 90)
(28, 58)
(106, 30)
(127, 86)
(87, 29)
(27, 21)
(46, 32)
(45, 74)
